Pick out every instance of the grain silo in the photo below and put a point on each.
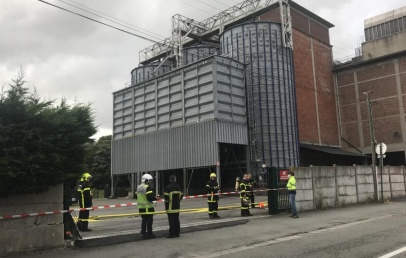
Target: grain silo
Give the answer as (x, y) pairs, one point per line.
(196, 52)
(146, 72)
(270, 90)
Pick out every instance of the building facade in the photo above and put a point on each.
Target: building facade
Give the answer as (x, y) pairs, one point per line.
(379, 71)
(258, 104)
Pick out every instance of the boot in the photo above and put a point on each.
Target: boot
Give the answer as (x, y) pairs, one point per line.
(151, 235)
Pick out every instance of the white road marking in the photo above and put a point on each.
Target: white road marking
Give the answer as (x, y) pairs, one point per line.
(396, 252)
(288, 238)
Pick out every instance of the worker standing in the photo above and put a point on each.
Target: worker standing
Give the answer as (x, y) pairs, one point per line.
(245, 197)
(85, 201)
(173, 195)
(252, 185)
(291, 186)
(213, 198)
(145, 197)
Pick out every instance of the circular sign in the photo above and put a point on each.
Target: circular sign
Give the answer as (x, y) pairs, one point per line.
(378, 148)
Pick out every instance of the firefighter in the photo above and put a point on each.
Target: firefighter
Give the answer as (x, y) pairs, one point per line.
(145, 197)
(173, 195)
(213, 198)
(85, 201)
(245, 197)
(252, 185)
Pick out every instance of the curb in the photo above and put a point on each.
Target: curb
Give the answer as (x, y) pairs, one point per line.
(134, 235)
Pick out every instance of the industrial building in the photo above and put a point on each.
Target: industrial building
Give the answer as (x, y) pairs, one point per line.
(379, 71)
(248, 89)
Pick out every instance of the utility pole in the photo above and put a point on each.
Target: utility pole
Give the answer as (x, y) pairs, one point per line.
(372, 136)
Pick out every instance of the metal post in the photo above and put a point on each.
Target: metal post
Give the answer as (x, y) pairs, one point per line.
(218, 166)
(381, 166)
(132, 185)
(372, 136)
(156, 183)
(185, 181)
(273, 204)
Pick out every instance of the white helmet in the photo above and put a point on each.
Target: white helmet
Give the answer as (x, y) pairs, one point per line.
(146, 178)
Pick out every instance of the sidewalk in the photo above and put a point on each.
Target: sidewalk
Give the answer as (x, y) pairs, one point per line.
(119, 225)
(127, 228)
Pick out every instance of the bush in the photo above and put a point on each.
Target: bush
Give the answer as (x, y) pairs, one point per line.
(41, 144)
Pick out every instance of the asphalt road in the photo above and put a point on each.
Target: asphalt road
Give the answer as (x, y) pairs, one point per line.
(367, 230)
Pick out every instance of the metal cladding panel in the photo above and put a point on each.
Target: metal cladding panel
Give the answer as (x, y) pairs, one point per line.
(186, 146)
(122, 113)
(144, 73)
(269, 76)
(230, 91)
(232, 133)
(195, 53)
(212, 88)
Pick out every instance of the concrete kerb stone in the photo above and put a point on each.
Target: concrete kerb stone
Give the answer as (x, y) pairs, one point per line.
(134, 235)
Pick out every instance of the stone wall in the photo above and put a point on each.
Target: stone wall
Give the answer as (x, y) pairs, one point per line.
(41, 232)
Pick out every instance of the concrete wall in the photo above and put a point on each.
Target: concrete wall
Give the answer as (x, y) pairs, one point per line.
(324, 187)
(384, 46)
(24, 234)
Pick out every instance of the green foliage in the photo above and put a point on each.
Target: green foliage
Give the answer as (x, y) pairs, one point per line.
(98, 160)
(40, 144)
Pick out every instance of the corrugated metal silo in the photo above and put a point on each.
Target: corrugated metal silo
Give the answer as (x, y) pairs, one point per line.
(270, 89)
(197, 52)
(146, 72)
(178, 120)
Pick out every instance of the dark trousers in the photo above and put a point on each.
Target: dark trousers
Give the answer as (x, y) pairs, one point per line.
(213, 208)
(245, 209)
(174, 224)
(146, 224)
(83, 224)
(252, 197)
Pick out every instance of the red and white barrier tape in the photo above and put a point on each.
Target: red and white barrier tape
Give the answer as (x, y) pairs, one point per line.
(36, 214)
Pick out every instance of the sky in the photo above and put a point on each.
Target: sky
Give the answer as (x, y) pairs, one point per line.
(67, 56)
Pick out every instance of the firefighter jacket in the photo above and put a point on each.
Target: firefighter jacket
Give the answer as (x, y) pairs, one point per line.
(145, 196)
(84, 194)
(252, 183)
(291, 185)
(213, 190)
(173, 195)
(244, 188)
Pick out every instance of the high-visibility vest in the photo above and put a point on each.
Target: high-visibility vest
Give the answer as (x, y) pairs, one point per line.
(291, 184)
(144, 206)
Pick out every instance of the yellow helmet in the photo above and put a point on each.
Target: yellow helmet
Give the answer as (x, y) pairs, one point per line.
(86, 176)
(213, 175)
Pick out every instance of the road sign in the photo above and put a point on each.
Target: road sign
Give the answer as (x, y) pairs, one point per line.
(378, 148)
(283, 174)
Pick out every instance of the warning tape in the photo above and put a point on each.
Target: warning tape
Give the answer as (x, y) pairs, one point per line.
(93, 208)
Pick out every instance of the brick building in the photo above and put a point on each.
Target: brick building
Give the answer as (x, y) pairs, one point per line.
(381, 70)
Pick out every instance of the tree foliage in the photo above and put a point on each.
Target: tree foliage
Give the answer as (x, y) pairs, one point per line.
(41, 144)
(98, 160)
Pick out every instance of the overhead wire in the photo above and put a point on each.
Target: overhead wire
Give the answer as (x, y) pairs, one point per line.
(194, 7)
(209, 5)
(83, 16)
(159, 37)
(222, 3)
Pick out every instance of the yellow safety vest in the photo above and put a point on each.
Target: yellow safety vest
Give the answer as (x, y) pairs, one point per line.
(291, 184)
